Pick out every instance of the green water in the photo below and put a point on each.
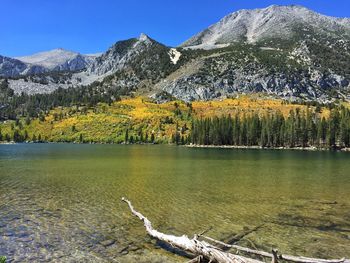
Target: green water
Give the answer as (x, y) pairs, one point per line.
(61, 202)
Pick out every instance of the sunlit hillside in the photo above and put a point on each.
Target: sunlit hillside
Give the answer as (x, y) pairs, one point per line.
(140, 119)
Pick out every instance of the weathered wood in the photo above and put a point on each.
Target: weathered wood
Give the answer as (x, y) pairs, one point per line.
(196, 260)
(239, 248)
(194, 246)
(311, 260)
(274, 256)
(283, 257)
(202, 249)
(234, 239)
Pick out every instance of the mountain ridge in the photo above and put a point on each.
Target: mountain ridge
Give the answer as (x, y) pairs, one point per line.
(288, 51)
(252, 25)
(45, 62)
(57, 59)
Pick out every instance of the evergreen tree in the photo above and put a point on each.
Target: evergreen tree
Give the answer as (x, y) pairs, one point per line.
(17, 137)
(27, 120)
(126, 139)
(299, 129)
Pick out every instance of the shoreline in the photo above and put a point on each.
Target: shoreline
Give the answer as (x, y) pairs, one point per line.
(233, 147)
(254, 147)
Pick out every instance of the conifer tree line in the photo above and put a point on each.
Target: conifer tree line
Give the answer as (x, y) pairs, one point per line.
(299, 129)
(13, 106)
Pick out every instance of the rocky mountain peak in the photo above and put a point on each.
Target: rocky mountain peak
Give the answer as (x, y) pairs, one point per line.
(287, 51)
(143, 37)
(49, 59)
(273, 22)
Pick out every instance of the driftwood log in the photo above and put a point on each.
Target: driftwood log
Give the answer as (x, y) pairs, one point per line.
(204, 250)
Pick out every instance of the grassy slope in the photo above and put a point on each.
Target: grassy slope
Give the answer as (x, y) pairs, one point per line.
(108, 124)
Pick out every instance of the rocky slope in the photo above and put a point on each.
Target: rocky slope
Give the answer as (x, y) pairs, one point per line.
(44, 62)
(303, 70)
(10, 67)
(135, 63)
(288, 51)
(285, 51)
(274, 22)
(58, 60)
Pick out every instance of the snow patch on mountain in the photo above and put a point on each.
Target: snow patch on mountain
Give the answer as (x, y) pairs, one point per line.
(174, 55)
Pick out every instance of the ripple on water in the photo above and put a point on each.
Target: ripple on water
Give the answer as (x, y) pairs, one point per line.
(62, 202)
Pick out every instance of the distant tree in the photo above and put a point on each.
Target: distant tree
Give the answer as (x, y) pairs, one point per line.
(126, 140)
(182, 140)
(300, 128)
(25, 136)
(17, 137)
(141, 135)
(42, 117)
(27, 122)
(333, 125)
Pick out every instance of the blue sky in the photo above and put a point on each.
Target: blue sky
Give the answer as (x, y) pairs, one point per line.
(90, 26)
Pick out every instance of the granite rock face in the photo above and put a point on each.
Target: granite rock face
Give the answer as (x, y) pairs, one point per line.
(286, 51)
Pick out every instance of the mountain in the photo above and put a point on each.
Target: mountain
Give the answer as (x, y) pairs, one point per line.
(273, 22)
(58, 60)
(127, 54)
(44, 62)
(10, 67)
(134, 63)
(289, 52)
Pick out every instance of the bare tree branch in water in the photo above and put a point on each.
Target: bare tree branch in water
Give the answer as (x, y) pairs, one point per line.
(206, 251)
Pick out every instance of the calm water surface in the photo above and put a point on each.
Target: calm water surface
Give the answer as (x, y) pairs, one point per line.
(61, 202)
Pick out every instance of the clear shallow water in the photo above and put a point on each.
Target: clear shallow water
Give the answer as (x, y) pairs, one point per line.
(61, 202)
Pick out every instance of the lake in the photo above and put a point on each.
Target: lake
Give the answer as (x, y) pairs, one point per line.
(62, 202)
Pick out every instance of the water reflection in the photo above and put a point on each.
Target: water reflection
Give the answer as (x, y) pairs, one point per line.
(62, 202)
